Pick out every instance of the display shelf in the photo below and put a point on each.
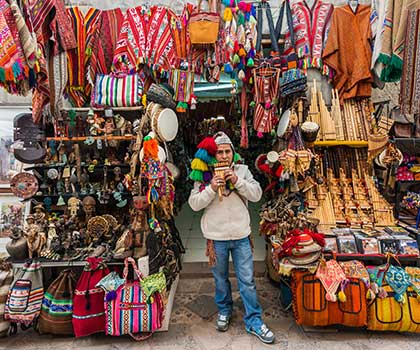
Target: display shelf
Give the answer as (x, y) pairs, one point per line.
(83, 138)
(341, 143)
(377, 258)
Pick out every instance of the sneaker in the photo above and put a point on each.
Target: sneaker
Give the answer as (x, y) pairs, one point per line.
(263, 333)
(222, 322)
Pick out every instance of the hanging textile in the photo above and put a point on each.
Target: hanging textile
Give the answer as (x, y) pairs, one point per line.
(178, 26)
(266, 82)
(160, 50)
(110, 26)
(14, 70)
(84, 27)
(379, 24)
(350, 55)
(311, 26)
(410, 81)
(47, 20)
(392, 47)
(131, 45)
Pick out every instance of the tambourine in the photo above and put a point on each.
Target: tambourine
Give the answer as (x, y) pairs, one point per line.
(283, 123)
(24, 185)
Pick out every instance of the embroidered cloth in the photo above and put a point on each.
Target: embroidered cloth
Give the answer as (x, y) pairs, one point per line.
(399, 280)
(331, 275)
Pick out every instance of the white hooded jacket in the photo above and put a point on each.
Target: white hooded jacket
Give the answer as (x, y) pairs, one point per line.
(228, 219)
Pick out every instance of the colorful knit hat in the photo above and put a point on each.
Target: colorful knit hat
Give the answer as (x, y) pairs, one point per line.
(205, 156)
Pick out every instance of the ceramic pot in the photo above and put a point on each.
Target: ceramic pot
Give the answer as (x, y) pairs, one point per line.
(18, 246)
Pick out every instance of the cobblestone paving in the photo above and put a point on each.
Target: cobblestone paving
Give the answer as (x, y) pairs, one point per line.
(191, 332)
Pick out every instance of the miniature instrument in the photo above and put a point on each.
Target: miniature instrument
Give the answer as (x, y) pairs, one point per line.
(219, 169)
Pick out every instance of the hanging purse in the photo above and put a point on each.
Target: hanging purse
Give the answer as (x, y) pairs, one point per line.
(117, 90)
(135, 307)
(203, 27)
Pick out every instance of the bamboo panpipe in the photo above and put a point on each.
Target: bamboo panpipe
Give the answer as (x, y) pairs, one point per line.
(219, 169)
(337, 115)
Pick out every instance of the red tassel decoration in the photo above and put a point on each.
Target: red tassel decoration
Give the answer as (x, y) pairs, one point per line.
(151, 149)
(209, 145)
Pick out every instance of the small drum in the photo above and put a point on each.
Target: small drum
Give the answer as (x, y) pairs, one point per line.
(284, 123)
(164, 123)
(309, 131)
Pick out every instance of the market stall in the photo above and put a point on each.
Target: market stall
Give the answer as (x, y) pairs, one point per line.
(121, 98)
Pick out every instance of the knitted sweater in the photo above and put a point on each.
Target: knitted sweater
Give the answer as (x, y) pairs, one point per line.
(228, 219)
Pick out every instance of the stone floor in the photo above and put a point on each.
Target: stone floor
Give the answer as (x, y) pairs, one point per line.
(191, 332)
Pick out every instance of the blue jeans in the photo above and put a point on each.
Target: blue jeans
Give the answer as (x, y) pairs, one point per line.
(244, 269)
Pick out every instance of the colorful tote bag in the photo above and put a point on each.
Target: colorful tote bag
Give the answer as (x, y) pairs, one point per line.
(57, 305)
(6, 279)
(88, 300)
(117, 90)
(130, 310)
(25, 295)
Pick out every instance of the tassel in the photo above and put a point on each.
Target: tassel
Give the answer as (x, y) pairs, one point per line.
(150, 147)
(17, 69)
(193, 102)
(227, 14)
(144, 100)
(370, 295)
(342, 296)
(260, 135)
(237, 158)
(211, 253)
(196, 175)
(203, 155)
(207, 176)
(154, 195)
(252, 104)
(228, 68)
(241, 19)
(250, 62)
(236, 59)
(32, 78)
(418, 298)
(251, 53)
(400, 298)
(112, 295)
(241, 75)
(375, 288)
(198, 164)
(242, 52)
(2, 75)
(179, 107)
(382, 293)
(331, 297)
(209, 145)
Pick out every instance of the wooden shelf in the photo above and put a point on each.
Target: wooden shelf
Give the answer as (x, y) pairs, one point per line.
(341, 143)
(83, 138)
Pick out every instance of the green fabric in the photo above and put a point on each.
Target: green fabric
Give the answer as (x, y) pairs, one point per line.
(392, 71)
(154, 283)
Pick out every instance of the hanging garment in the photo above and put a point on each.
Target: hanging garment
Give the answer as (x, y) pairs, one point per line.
(392, 47)
(179, 32)
(410, 80)
(379, 24)
(84, 28)
(109, 28)
(47, 20)
(311, 26)
(266, 82)
(160, 50)
(348, 51)
(14, 70)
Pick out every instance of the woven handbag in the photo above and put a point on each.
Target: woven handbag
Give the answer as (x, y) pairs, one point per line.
(6, 279)
(25, 295)
(88, 300)
(57, 305)
(203, 27)
(133, 310)
(117, 90)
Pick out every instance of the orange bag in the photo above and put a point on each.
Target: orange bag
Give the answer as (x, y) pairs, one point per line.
(203, 27)
(311, 308)
(387, 314)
